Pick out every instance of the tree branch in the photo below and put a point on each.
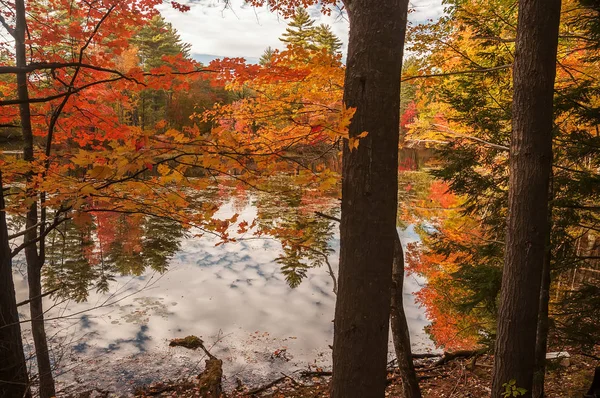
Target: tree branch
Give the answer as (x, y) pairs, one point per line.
(461, 72)
(10, 30)
(40, 296)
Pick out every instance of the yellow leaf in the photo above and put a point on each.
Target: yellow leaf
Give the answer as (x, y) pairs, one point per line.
(87, 189)
(100, 172)
(163, 169)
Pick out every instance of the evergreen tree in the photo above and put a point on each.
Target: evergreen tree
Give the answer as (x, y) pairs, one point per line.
(157, 39)
(154, 41)
(325, 38)
(300, 30)
(265, 59)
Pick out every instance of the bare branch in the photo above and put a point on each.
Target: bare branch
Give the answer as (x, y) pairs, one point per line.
(6, 26)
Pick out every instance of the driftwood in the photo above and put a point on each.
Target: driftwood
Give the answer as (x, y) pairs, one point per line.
(209, 381)
(449, 356)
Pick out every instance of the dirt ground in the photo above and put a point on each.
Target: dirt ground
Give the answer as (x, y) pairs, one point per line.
(458, 378)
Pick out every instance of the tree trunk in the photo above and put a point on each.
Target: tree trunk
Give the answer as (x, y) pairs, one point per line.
(34, 263)
(530, 167)
(400, 334)
(541, 338)
(14, 381)
(38, 329)
(369, 198)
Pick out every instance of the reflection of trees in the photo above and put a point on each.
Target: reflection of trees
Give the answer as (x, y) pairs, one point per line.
(71, 264)
(90, 252)
(290, 218)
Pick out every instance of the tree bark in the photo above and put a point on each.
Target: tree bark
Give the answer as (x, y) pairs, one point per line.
(530, 167)
(34, 261)
(400, 333)
(369, 198)
(541, 339)
(14, 381)
(543, 325)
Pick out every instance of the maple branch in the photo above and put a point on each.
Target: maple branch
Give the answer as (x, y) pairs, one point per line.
(91, 84)
(127, 178)
(60, 65)
(461, 72)
(56, 96)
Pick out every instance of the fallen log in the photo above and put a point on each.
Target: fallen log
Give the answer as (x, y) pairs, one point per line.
(449, 356)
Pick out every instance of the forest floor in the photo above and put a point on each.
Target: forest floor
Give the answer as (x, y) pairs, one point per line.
(462, 377)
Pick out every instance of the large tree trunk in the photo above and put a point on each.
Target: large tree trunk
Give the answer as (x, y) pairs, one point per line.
(34, 261)
(14, 381)
(530, 167)
(369, 198)
(400, 333)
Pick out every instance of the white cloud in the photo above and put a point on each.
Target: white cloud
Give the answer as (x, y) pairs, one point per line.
(244, 31)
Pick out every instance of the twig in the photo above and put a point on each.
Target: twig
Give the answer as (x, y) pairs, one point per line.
(318, 373)
(332, 218)
(266, 386)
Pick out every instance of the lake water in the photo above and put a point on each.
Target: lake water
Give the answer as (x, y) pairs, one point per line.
(234, 296)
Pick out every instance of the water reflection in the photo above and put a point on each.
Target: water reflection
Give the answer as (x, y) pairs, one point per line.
(134, 282)
(88, 252)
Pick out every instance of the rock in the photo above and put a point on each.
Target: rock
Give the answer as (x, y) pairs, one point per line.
(562, 356)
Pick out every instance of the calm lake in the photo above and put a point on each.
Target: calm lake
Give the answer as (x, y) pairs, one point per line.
(135, 283)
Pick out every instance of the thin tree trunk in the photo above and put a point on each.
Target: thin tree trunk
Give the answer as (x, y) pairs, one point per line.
(369, 198)
(14, 381)
(400, 333)
(34, 263)
(541, 339)
(38, 329)
(530, 167)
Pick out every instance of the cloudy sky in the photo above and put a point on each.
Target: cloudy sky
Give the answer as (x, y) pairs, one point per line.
(243, 31)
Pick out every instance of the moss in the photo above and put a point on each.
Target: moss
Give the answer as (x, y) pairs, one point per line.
(191, 342)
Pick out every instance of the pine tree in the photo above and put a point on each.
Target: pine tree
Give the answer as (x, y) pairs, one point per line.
(300, 30)
(325, 38)
(265, 59)
(157, 39)
(154, 41)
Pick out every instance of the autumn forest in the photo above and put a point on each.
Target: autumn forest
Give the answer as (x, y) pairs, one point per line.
(412, 210)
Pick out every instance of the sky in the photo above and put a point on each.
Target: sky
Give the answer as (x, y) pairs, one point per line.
(244, 31)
